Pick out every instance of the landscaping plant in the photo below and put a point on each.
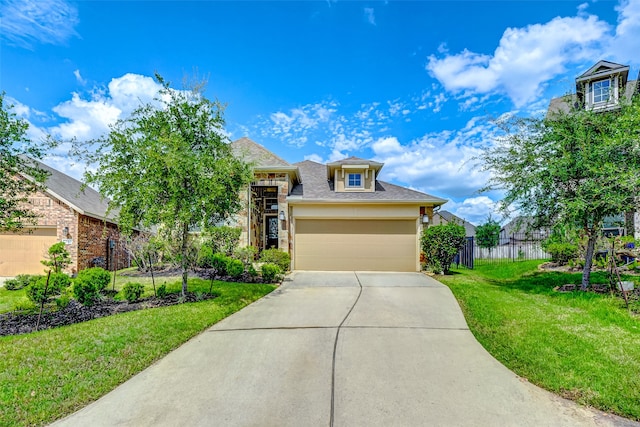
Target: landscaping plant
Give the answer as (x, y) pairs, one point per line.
(270, 273)
(275, 256)
(132, 291)
(59, 257)
(440, 244)
(89, 283)
(20, 281)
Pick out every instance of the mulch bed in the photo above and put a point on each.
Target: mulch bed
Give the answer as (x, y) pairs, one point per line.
(15, 323)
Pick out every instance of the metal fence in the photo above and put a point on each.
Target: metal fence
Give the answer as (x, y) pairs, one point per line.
(512, 248)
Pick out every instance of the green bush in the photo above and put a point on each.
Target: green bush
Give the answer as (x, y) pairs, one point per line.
(219, 263)
(277, 257)
(89, 283)
(205, 256)
(235, 268)
(440, 244)
(132, 291)
(162, 291)
(57, 282)
(59, 257)
(561, 252)
(271, 273)
(64, 299)
(246, 254)
(20, 281)
(223, 239)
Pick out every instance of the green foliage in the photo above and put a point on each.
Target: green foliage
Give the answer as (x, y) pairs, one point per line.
(162, 291)
(561, 253)
(205, 257)
(246, 254)
(25, 306)
(219, 264)
(573, 168)
(170, 164)
(16, 150)
(223, 239)
(59, 257)
(41, 293)
(20, 281)
(277, 257)
(488, 234)
(235, 267)
(64, 299)
(271, 273)
(251, 270)
(89, 283)
(440, 244)
(132, 291)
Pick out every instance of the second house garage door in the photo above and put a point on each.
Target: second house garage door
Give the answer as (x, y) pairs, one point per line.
(366, 245)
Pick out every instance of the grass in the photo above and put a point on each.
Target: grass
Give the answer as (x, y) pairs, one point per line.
(49, 374)
(583, 346)
(9, 299)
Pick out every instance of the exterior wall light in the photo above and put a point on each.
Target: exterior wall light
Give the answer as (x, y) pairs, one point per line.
(65, 231)
(425, 219)
(281, 217)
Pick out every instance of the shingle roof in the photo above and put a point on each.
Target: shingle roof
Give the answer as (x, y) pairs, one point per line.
(315, 186)
(256, 153)
(445, 217)
(86, 201)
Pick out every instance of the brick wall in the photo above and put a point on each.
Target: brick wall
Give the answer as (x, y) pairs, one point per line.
(100, 243)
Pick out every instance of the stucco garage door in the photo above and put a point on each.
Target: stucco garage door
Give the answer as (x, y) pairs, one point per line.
(22, 253)
(368, 245)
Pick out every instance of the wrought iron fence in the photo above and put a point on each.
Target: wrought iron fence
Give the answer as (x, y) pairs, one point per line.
(511, 248)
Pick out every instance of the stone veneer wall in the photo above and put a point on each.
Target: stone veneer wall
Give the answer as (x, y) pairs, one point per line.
(283, 182)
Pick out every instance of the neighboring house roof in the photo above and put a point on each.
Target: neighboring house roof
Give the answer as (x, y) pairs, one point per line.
(83, 199)
(316, 187)
(256, 153)
(445, 217)
(521, 224)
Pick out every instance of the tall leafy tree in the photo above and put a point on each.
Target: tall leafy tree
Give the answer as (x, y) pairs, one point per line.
(488, 234)
(20, 176)
(573, 168)
(170, 165)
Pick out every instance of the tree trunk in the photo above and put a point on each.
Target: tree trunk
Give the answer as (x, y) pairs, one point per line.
(185, 261)
(588, 260)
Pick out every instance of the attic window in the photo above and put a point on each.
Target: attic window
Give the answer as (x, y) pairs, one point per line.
(354, 180)
(601, 91)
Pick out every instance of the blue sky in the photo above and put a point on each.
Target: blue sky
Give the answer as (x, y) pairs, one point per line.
(412, 84)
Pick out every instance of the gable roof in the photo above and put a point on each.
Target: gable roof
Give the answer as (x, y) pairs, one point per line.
(253, 152)
(352, 161)
(445, 217)
(601, 69)
(70, 191)
(316, 187)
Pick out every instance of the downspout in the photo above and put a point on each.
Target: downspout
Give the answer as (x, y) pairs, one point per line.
(249, 230)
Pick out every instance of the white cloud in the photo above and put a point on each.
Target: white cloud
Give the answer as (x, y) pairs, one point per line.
(79, 77)
(476, 210)
(525, 59)
(314, 158)
(386, 146)
(369, 15)
(625, 46)
(90, 118)
(28, 22)
(296, 126)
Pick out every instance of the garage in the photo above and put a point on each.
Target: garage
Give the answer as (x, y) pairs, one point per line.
(22, 253)
(354, 244)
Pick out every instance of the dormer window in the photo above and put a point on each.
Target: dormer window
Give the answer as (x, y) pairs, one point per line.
(354, 180)
(601, 91)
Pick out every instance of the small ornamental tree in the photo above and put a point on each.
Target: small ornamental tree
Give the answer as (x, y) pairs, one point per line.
(59, 257)
(440, 244)
(488, 234)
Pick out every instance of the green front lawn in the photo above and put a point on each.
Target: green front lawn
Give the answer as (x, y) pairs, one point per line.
(49, 374)
(583, 346)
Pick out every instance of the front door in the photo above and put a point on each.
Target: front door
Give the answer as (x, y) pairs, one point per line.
(271, 234)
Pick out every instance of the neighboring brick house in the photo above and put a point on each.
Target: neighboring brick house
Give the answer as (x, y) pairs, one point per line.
(70, 213)
(337, 216)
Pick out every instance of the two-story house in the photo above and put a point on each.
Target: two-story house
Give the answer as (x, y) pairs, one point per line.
(602, 88)
(335, 216)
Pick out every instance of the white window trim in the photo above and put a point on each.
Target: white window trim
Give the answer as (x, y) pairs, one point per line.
(354, 187)
(593, 92)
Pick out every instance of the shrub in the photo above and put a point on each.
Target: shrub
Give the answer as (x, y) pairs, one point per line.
(270, 273)
(132, 291)
(246, 254)
(277, 257)
(162, 291)
(89, 283)
(59, 257)
(24, 306)
(64, 299)
(561, 252)
(235, 268)
(20, 281)
(205, 257)
(57, 282)
(440, 244)
(219, 263)
(224, 239)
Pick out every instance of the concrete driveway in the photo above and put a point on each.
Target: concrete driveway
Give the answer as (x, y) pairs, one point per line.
(337, 349)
